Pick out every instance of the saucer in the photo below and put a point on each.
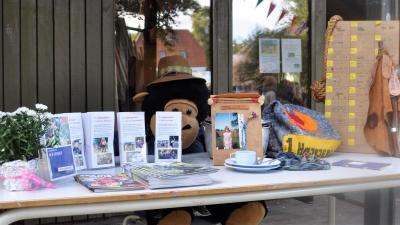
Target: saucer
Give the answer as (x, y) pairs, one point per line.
(267, 163)
(251, 170)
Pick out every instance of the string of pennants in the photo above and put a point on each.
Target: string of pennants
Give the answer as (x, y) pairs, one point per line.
(294, 28)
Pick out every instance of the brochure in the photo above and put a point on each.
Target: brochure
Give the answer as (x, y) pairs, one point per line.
(58, 133)
(108, 182)
(168, 143)
(99, 139)
(77, 139)
(132, 137)
(56, 163)
(361, 165)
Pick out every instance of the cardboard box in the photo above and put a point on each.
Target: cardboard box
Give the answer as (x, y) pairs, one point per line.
(353, 48)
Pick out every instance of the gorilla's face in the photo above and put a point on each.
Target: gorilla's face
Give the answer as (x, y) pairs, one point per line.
(190, 126)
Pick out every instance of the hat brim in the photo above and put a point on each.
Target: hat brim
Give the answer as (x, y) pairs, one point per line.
(175, 77)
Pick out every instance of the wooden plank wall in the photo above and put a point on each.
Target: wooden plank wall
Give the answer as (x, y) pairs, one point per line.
(57, 52)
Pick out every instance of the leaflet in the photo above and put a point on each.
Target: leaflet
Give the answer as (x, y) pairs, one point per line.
(132, 137)
(77, 139)
(168, 142)
(99, 139)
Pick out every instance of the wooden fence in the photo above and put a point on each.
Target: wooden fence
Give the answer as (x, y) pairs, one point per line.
(57, 52)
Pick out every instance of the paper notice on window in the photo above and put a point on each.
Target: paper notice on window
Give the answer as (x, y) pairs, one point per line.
(269, 55)
(291, 56)
(132, 137)
(168, 142)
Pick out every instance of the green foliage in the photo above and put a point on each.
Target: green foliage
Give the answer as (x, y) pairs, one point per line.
(20, 133)
(165, 11)
(201, 29)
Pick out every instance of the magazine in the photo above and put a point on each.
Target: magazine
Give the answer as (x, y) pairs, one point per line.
(131, 137)
(108, 182)
(99, 139)
(167, 175)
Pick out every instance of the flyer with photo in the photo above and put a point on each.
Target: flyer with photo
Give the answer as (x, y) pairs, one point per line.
(77, 139)
(168, 142)
(99, 139)
(132, 137)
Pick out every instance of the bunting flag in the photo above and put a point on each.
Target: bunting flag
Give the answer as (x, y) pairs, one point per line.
(259, 2)
(283, 14)
(271, 8)
(301, 28)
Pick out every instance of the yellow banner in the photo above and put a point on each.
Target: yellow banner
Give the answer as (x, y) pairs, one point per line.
(300, 144)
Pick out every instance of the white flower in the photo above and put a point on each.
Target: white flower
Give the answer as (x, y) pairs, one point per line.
(11, 114)
(2, 114)
(21, 110)
(48, 115)
(41, 106)
(31, 112)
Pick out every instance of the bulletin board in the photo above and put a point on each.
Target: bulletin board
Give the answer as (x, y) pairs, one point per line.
(351, 53)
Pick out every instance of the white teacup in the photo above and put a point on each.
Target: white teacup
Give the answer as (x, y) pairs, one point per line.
(245, 157)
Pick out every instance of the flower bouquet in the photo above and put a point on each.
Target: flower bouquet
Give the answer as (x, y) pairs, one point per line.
(21, 132)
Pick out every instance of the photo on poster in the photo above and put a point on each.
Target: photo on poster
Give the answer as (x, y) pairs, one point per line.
(168, 153)
(173, 141)
(162, 143)
(227, 130)
(79, 161)
(100, 145)
(139, 142)
(58, 132)
(77, 147)
(134, 156)
(129, 147)
(104, 158)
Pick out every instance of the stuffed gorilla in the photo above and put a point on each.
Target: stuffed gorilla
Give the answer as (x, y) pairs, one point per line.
(187, 96)
(177, 90)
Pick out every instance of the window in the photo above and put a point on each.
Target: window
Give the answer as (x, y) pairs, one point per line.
(162, 54)
(271, 49)
(183, 54)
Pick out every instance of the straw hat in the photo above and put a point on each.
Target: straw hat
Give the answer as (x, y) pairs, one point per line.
(170, 68)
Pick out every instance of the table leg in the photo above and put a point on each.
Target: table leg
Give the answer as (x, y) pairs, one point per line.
(379, 207)
(332, 209)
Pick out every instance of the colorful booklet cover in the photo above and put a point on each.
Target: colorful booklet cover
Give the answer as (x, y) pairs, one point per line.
(108, 182)
(361, 165)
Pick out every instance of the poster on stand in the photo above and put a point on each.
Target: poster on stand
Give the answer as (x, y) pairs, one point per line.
(168, 142)
(269, 55)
